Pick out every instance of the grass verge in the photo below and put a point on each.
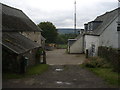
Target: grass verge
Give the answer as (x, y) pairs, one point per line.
(111, 78)
(33, 70)
(108, 75)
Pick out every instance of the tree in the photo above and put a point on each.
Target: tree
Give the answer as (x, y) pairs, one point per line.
(49, 31)
(63, 38)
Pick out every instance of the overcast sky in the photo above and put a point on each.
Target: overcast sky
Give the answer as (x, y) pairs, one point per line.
(61, 12)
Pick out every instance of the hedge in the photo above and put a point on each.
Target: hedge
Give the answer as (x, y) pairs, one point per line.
(110, 55)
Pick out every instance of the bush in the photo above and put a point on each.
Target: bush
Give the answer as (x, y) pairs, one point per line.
(95, 62)
(111, 55)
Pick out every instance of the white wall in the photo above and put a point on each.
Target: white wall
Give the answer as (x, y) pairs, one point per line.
(89, 40)
(110, 36)
(119, 39)
(77, 46)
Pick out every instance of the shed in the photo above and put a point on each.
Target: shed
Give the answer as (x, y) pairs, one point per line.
(15, 48)
(70, 42)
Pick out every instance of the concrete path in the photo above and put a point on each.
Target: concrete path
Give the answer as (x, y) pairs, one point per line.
(64, 72)
(59, 76)
(60, 57)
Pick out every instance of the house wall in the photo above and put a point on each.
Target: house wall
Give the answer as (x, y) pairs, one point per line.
(43, 43)
(77, 46)
(119, 39)
(110, 35)
(34, 36)
(90, 40)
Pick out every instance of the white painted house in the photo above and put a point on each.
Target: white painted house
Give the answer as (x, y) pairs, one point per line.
(103, 31)
(75, 45)
(91, 43)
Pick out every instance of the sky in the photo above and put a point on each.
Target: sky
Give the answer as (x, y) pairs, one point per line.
(61, 12)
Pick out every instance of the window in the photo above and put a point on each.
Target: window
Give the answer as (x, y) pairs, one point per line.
(35, 41)
(30, 52)
(118, 28)
(93, 49)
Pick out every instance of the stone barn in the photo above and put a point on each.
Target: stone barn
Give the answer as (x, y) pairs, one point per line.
(21, 39)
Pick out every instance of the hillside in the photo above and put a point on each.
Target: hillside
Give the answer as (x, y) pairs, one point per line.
(67, 30)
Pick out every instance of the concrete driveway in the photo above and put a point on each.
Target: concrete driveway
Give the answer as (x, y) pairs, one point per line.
(64, 72)
(59, 76)
(60, 57)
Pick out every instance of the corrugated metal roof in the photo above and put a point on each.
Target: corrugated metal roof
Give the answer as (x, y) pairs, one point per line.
(17, 42)
(15, 20)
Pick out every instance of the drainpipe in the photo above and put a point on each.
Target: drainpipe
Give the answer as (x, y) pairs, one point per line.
(86, 53)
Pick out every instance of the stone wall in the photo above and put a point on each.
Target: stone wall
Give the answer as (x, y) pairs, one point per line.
(34, 36)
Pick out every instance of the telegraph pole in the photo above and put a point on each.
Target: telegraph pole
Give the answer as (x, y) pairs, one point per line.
(75, 17)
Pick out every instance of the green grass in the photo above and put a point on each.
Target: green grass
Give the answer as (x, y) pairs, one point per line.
(11, 76)
(112, 78)
(102, 69)
(38, 69)
(33, 70)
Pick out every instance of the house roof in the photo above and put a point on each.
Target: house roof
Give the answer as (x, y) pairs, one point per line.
(17, 42)
(91, 34)
(43, 38)
(83, 34)
(72, 39)
(107, 19)
(15, 20)
(79, 36)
